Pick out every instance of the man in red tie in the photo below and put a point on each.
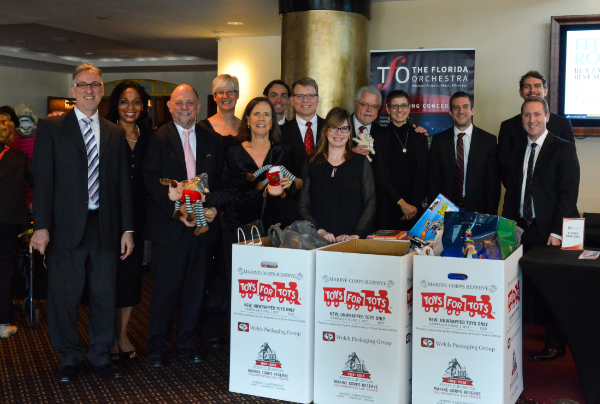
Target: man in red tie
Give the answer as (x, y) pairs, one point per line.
(366, 109)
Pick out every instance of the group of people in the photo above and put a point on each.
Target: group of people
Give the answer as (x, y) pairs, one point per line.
(99, 195)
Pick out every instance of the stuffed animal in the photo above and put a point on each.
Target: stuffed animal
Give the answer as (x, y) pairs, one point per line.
(365, 140)
(188, 200)
(274, 176)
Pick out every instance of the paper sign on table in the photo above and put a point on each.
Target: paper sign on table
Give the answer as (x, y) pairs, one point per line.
(572, 234)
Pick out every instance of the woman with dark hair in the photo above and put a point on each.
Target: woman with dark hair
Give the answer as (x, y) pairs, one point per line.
(128, 108)
(338, 195)
(400, 168)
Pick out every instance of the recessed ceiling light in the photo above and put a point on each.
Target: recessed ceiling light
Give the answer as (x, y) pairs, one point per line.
(235, 23)
(123, 56)
(88, 53)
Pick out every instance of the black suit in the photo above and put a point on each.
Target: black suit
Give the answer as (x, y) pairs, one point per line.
(555, 190)
(512, 136)
(84, 246)
(178, 257)
(376, 131)
(482, 179)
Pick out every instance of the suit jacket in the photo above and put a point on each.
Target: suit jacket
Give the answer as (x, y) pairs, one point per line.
(482, 182)
(512, 136)
(555, 185)
(291, 136)
(377, 131)
(165, 159)
(61, 182)
(15, 174)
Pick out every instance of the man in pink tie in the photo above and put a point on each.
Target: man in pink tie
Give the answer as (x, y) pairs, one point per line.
(179, 150)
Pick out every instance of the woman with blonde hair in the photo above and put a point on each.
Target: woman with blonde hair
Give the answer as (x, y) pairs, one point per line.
(226, 92)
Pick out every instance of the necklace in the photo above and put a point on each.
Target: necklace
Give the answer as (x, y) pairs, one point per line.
(398, 137)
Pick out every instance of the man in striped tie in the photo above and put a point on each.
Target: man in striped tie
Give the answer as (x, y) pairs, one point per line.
(82, 222)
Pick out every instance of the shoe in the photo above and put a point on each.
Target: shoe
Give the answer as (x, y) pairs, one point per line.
(124, 356)
(549, 354)
(156, 360)
(190, 355)
(107, 371)
(212, 344)
(68, 374)
(6, 330)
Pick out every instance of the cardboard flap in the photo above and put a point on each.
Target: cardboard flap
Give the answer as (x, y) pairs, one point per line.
(373, 247)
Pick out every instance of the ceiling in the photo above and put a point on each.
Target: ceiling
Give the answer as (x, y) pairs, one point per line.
(127, 35)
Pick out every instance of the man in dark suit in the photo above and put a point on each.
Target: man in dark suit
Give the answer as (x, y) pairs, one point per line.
(513, 136)
(278, 92)
(542, 189)
(82, 216)
(366, 108)
(463, 163)
(178, 150)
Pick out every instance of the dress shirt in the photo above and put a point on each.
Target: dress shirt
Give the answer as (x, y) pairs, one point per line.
(96, 133)
(466, 146)
(192, 137)
(282, 121)
(302, 126)
(357, 125)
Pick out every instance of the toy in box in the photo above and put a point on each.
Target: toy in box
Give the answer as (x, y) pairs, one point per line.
(432, 220)
(388, 235)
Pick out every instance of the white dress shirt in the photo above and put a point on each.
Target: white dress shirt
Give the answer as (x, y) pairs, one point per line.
(282, 121)
(96, 133)
(466, 147)
(302, 126)
(357, 125)
(192, 137)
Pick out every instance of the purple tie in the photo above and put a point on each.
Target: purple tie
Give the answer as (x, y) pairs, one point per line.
(190, 161)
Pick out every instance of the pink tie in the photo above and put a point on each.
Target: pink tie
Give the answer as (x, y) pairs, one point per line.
(190, 161)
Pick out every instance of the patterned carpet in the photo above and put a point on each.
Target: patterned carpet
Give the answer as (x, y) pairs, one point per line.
(29, 371)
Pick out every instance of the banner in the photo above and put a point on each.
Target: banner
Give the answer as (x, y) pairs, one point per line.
(429, 77)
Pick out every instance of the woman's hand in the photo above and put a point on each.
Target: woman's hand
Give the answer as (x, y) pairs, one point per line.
(326, 235)
(409, 210)
(285, 182)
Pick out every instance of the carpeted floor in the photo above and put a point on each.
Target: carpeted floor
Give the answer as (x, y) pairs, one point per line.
(29, 371)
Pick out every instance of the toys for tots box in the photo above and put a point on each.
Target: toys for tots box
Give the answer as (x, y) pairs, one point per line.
(363, 321)
(272, 315)
(467, 328)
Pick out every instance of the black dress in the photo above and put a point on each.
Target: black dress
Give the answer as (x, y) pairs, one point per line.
(399, 175)
(340, 200)
(228, 140)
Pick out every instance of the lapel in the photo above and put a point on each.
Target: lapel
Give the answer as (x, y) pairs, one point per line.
(472, 158)
(545, 152)
(519, 166)
(73, 128)
(450, 151)
(105, 135)
(175, 140)
(200, 149)
(320, 123)
(296, 135)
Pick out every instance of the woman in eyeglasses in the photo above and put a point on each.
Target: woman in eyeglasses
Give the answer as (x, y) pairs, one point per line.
(338, 195)
(400, 168)
(226, 91)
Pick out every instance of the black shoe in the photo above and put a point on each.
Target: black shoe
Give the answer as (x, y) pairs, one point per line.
(68, 374)
(107, 371)
(156, 360)
(212, 344)
(190, 355)
(549, 354)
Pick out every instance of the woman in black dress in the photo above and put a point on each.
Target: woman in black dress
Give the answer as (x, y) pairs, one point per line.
(400, 166)
(226, 92)
(128, 108)
(338, 195)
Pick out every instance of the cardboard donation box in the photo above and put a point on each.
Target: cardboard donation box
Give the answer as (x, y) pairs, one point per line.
(467, 330)
(363, 322)
(272, 322)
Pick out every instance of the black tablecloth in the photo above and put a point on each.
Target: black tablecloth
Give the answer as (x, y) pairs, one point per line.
(592, 238)
(571, 288)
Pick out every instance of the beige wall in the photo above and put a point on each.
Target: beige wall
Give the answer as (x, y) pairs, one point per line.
(510, 37)
(32, 87)
(254, 60)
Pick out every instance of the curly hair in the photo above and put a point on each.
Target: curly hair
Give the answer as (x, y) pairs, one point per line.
(7, 130)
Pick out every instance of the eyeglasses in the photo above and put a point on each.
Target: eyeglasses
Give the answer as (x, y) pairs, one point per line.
(395, 107)
(189, 104)
(343, 129)
(83, 86)
(310, 97)
(365, 105)
(227, 93)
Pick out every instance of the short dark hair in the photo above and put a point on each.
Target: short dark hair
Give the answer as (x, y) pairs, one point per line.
(305, 81)
(281, 83)
(536, 75)
(10, 111)
(535, 98)
(334, 117)
(396, 94)
(460, 94)
(244, 131)
(113, 104)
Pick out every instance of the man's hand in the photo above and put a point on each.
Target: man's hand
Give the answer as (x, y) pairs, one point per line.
(554, 241)
(40, 240)
(210, 214)
(409, 210)
(420, 129)
(188, 224)
(285, 183)
(363, 149)
(126, 245)
(56, 113)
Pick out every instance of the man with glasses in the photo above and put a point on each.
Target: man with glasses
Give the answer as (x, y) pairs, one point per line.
(278, 92)
(179, 150)
(463, 161)
(82, 222)
(366, 108)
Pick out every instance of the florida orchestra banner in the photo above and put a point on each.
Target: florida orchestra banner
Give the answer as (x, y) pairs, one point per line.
(429, 77)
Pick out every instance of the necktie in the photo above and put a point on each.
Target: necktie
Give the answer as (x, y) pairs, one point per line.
(361, 129)
(460, 166)
(528, 199)
(309, 141)
(190, 161)
(93, 161)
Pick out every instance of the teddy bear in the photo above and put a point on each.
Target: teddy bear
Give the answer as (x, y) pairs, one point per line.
(365, 140)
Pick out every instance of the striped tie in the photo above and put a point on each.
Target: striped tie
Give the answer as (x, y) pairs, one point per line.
(93, 161)
(528, 198)
(460, 165)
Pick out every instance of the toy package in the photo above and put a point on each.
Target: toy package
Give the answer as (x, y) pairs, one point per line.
(477, 235)
(432, 220)
(388, 235)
